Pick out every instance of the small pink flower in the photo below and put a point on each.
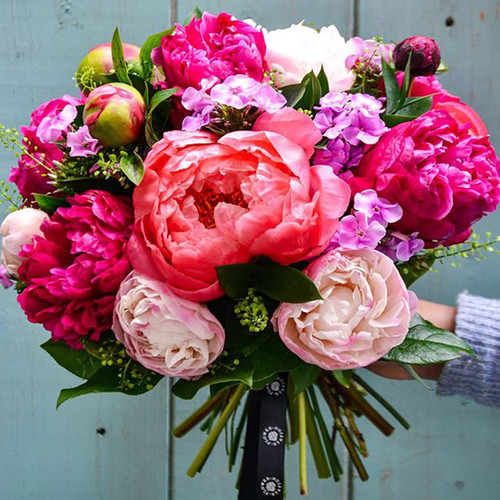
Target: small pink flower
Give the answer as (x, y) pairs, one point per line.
(366, 311)
(82, 144)
(356, 232)
(163, 332)
(53, 128)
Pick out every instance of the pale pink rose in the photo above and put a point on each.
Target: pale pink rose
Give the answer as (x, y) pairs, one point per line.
(163, 332)
(207, 201)
(366, 311)
(18, 229)
(292, 124)
(298, 50)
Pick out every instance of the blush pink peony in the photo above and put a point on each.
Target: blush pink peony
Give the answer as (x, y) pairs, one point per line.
(163, 332)
(17, 230)
(366, 311)
(206, 202)
(213, 46)
(74, 270)
(444, 179)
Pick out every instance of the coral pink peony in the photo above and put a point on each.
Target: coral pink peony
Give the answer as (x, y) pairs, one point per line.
(206, 202)
(213, 46)
(365, 312)
(17, 230)
(444, 178)
(167, 334)
(73, 272)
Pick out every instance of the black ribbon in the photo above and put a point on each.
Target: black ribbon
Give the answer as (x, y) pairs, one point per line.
(262, 472)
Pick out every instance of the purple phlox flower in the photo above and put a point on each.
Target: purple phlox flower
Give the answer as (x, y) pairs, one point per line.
(356, 232)
(51, 128)
(236, 91)
(268, 99)
(198, 120)
(82, 144)
(401, 247)
(377, 209)
(198, 99)
(5, 281)
(338, 154)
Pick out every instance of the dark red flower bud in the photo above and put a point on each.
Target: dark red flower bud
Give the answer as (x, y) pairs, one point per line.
(425, 55)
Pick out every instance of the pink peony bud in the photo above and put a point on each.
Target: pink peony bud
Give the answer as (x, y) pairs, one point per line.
(114, 114)
(100, 60)
(17, 230)
(425, 55)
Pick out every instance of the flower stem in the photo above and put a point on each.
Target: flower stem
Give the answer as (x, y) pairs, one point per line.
(341, 428)
(194, 419)
(382, 401)
(301, 399)
(216, 430)
(354, 429)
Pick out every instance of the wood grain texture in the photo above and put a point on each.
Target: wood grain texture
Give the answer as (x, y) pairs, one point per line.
(44, 453)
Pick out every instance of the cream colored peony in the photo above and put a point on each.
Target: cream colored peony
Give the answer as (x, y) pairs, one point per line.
(298, 50)
(366, 311)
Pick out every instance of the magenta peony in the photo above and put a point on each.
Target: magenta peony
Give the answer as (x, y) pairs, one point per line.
(34, 165)
(167, 334)
(17, 230)
(366, 311)
(74, 270)
(213, 46)
(114, 114)
(206, 202)
(444, 178)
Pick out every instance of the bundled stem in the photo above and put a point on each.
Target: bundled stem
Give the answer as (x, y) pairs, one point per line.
(216, 430)
(301, 398)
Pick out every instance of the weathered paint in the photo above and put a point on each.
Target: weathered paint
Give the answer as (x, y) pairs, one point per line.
(44, 454)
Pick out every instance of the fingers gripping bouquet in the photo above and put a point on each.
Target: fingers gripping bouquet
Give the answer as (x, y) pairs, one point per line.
(221, 207)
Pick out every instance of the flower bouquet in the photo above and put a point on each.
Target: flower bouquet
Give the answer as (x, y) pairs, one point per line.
(244, 210)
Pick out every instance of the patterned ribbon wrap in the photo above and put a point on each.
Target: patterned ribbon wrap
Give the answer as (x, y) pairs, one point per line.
(262, 473)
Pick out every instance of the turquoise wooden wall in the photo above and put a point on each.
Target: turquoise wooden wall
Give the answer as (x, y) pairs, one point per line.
(452, 450)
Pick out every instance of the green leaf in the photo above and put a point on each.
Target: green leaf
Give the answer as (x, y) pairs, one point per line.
(196, 13)
(187, 389)
(416, 267)
(415, 375)
(79, 362)
(281, 283)
(293, 93)
(119, 63)
(392, 90)
(133, 167)
(426, 344)
(145, 55)
(323, 81)
(303, 376)
(415, 106)
(160, 97)
(343, 377)
(157, 119)
(50, 204)
(405, 86)
(105, 380)
(80, 184)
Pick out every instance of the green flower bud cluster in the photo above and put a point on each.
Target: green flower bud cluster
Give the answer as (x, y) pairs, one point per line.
(85, 79)
(222, 363)
(252, 312)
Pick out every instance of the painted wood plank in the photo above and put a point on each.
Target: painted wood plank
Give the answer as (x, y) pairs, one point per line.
(44, 453)
(450, 450)
(215, 481)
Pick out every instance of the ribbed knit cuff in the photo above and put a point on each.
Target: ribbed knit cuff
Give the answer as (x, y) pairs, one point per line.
(478, 378)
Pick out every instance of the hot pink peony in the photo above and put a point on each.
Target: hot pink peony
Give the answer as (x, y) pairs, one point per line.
(167, 334)
(444, 178)
(365, 312)
(31, 173)
(206, 202)
(213, 46)
(73, 272)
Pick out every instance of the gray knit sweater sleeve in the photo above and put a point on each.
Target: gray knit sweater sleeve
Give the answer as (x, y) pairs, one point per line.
(478, 323)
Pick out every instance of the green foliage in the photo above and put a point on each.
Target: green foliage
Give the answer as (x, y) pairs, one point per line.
(281, 283)
(132, 166)
(399, 107)
(416, 267)
(196, 13)
(145, 55)
(306, 94)
(426, 344)
(49, 204)
(303, 376)
(119, 63)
